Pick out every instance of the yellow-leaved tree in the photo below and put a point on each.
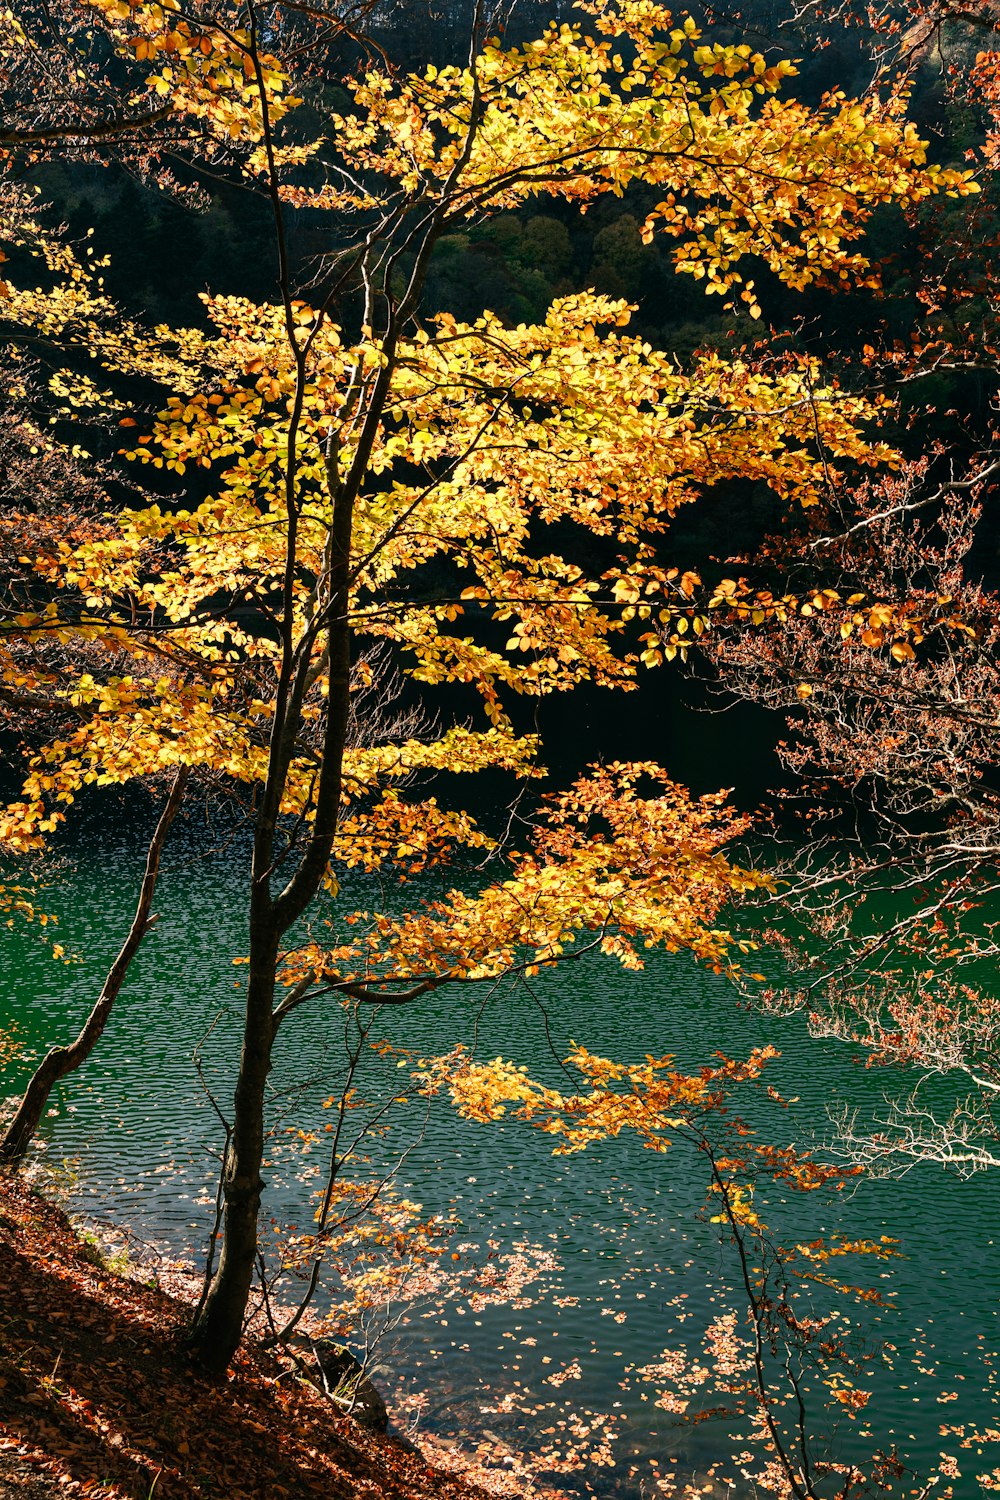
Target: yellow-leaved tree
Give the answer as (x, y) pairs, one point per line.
(363, 473)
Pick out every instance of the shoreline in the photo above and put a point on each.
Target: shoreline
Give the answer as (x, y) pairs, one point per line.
(100, 1398)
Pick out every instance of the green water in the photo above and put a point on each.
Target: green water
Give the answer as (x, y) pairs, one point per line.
(637, 1270)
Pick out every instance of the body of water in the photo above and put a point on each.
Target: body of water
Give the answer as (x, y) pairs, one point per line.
(624, 1266)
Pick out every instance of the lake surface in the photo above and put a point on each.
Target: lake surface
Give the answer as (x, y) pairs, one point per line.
(626, 1267)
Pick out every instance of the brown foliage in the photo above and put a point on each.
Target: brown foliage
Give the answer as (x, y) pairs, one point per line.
(100, 1397)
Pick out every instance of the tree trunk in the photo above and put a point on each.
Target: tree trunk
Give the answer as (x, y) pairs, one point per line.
(218, 1323)
(62, 1060)
(218, 1326)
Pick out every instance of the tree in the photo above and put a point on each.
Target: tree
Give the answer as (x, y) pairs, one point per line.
(372, 475)
(872, 627)
(22, 1126)
(158, 79)
(891, 688)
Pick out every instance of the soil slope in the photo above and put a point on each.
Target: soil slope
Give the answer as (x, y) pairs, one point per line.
(98, 1396)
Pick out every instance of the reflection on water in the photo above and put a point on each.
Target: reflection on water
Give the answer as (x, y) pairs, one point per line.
(638, 1271)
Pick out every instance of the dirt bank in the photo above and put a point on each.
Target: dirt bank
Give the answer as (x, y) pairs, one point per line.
(98, 1396)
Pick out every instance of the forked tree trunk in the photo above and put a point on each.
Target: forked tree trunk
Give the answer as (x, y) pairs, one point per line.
(218, 1322)
(62, 1060)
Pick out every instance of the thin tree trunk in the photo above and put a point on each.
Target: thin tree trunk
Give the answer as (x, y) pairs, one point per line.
(218, 1327)
(62, 1060)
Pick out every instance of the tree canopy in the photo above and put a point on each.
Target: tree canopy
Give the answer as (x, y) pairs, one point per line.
(339, 468)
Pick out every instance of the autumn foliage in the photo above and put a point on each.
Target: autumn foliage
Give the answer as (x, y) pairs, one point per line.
(487, 503)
